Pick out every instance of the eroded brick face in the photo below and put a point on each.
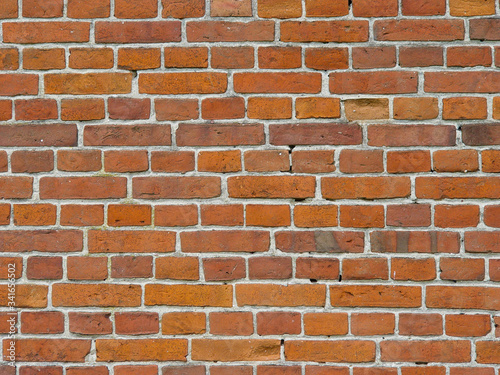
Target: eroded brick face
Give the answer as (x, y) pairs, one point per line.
(250, 187)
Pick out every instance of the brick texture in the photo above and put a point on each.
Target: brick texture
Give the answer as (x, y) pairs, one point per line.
(250, 187)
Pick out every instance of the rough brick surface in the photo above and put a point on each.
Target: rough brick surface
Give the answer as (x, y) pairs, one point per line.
(250, 187)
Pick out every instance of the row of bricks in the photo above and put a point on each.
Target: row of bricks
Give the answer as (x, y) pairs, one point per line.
(344, 31)
(249, 241)
(232, 8)
(230, 350)
(259, 268)
(241, 323)
(248, 370)
(251, 134)
(178, 83)
(263, 108)
(225, 161)
(304, 216)
(382, 56)
(290, 295)
(267, 187)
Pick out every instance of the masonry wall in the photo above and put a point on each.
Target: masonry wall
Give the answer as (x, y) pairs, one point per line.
(276, 187)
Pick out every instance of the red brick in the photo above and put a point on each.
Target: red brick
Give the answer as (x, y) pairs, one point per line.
(188, 295)
(322, 8)
(176, 187)
(129, 215)
(186, 9)
(231, 323)
(32, 161)
(267, 160)
(458, 82)
(481, 134)
(9, 10)
(373, 57)
(364, 187)
(88, 8)
(42, 322)
(456, 187)
(279, 8)
(50, 350)
(462, 297)
(330, 351)
(413, 269)
(34, 214)
(88, 83)
(315, 134)
(128, 109)
(375, 8)
(136, 323)
(139, 58)
(94, 370)
(45, 241)
(420, 324)
(235, 350)
(361, 161)
(375, 296)
(324, 31)
(172, 161)
(232, 57)
(121, 350)
(464, 108)
(184, 370)
(271, 187)
(313, 161)
(317, 269)
(137, 32)
(9, 59)
(219, 135)
(186, 57)
(136, 9)
(456, 161)
(278, 323)
(40, 268)
(415, 241)
(420, 57)
(467, 325)
(173, 216)
(126, 161)
(408, 161)
(230, 8)
(411, 135)
(229, 370)
(327, 58)
(320, 241)
(269, 108)
(18, 84)
(423, 7)
(484, 29)
(491, 161)
(269, 268)
(46, 32)
(44, 59)
(277, 83)
(409, 215)
(123, 241)
(177, 268)
(369, 324)
(461, 269)
(456, 216)
(96, 295)
(82, 109)
(82, 215)
(362, 216)
(225, 241)
(132, 370)
(223, 31)
(328, 324)
(280, 57)
(16, 187)
(87, 268)
(390, 82)
(419, 30)
(313, 107)
(82, 187)
(425, 351)
(183, 323)
(5, 110)
(176, 109)
(468, 56)
(280, 295)
(35, 370)
(91, 58)
(365, 269)
(90, 323)
(222, 214)
(36, 109)
(219, 269)
(223, 108)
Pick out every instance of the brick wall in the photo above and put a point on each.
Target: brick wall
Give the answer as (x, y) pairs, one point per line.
(228, 187)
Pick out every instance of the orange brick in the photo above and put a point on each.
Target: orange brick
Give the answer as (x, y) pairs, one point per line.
(177, 268)
(315, 216)
(269, 108)
(456, 216)
(313, 107)
(268, 215)
(369, 324)
(455, 161)
(222, 214)
(219, 161)
(413, 269)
